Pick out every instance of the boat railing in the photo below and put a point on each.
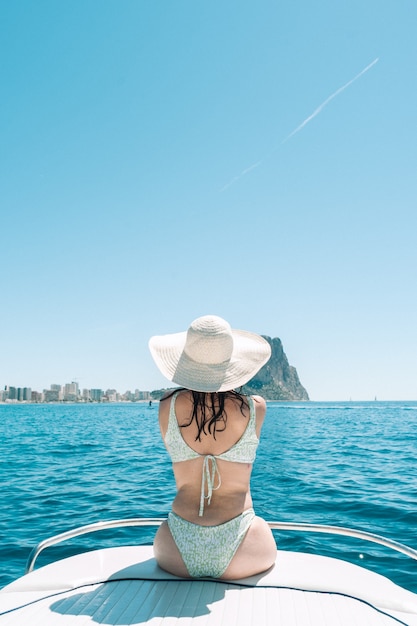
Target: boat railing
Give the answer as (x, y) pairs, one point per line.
(157, 521)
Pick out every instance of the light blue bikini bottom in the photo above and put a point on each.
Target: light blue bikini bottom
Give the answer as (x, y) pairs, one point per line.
(208, 550)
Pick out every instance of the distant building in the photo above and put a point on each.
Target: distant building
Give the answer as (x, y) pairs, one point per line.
(17, 394)
(11, 393)
(35, 396)
(142, 395)
(86, 395)
(51, 395)
(71, 392)
(96, 395)
(54, 394)
(112, 396)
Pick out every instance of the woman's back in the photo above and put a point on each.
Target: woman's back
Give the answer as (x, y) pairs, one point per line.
(212, 472)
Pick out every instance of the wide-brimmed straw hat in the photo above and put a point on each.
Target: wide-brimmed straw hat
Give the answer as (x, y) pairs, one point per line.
(210, 355)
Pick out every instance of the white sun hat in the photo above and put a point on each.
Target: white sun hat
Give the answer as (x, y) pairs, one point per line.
(210, 356)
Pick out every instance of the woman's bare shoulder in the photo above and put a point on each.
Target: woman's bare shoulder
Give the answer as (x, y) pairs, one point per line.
(260, 408)
(259, 400)
(164, 408)
(182, 399)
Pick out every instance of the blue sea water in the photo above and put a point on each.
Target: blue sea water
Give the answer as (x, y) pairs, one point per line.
(343, 464)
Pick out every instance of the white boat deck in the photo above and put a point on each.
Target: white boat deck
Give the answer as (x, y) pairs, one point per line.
(121, 586)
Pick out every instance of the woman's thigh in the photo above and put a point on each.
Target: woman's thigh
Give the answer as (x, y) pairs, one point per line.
(167, 553)
(256, 554)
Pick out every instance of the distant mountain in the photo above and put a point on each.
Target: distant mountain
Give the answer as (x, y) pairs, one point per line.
(277, 380)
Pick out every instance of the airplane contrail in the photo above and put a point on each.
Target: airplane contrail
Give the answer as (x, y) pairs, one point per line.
(234, 180)
(300, 126)
(323, 104)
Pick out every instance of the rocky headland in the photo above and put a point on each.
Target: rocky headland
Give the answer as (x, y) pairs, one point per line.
(277, 380)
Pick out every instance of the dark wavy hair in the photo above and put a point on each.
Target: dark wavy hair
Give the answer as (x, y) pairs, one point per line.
(208, 411)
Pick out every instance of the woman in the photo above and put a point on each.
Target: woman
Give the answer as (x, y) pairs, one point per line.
(211, 433)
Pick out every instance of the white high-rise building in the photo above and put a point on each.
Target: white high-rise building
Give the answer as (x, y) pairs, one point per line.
(71, 392)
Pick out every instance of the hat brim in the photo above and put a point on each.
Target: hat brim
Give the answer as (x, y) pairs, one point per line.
(250, 353)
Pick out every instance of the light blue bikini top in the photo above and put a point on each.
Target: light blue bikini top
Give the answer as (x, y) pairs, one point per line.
(243, 451)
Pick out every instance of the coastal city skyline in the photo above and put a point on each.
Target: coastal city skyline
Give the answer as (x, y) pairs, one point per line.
(70, 392)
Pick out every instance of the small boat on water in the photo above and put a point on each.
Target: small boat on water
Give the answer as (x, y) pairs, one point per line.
(124, 585)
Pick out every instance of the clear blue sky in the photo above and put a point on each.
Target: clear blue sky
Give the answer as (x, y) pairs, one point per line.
(149, 175)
